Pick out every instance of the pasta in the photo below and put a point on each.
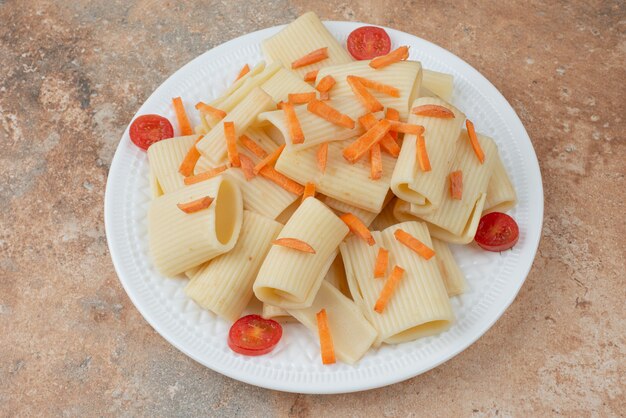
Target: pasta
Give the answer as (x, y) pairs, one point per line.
(276, 313)
(180, 241)
(155, 188)
(165, 158)
(426, 189)
(500, 192)
(451, 274)
(340, 208)
(284, 82)
(386, 217)
(289, 278)
(224, 285)
(438, 83)
(419, 306)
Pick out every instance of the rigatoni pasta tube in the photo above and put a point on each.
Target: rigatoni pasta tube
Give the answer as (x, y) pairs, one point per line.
(501, 195)
(302, 36)
(451, 273)
(224, 285)
(441, 84)
(409, 182)
(342, 207)
(165, 157)
(385, 218)
(352, 334)
(179, 240)
(284, 82)
(419, 306)
(289, 278)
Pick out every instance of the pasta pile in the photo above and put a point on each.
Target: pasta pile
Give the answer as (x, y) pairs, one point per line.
(329, 189)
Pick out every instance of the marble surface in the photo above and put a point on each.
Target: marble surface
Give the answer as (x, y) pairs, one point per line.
(74, 73)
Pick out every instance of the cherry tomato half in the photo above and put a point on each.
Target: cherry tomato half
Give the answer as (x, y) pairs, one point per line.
(368, 42)
(253, 335)
(497, 232)
(148, 129)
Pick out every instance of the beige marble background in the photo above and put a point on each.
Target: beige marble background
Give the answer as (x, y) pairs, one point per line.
(73, 73)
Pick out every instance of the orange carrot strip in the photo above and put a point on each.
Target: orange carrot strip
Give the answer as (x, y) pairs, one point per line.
(422, 154)
(311, 76)
(189, 162)
(252, 146)
(379, 87)
(394, 56)
(358, 228)
(195, 205)
(471, 132)
(365, 97)
(433, 111)
(310, 58)
(332, 115)
(280, 179)
(322, 157)
(376, 162)
(327, 347)
(358, 148)
(295, 244)
(392, 114)
(245, 70)
(414, 244)
(325, 96)
(387, 143)
(388, 289)
(280, 104)
(210, 110)
(382, 259)
(456, 185)
(293, 124)
(204, 176)
(269, 160)
(300, 98)
(406, 128)
(309, 190)
(231, 144)
(325, 84)
(181, 115)
(247, 166)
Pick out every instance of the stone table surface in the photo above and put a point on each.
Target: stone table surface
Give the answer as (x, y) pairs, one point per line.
(73, 74)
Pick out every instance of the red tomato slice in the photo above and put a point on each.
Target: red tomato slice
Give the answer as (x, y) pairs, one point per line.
(253, 335)
(368, 42)
(148, 129)
(497, 232)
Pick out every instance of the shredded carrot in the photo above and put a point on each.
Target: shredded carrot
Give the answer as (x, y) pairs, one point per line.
(280, 179)
(382, 259)
(392, 114)
(327, 347)
(245, 70)
(406, 128)
(456, 185)
(231, 144)
(252, 146)
(332, 115)
(295, 244)
(269, 160)
(365, 97)
(310, 58)
(358, 148)
(376, 162)
(358, 228)
(471, 132)
(311, 76)
(280, 104)
(325, 84)
(293, 124)
(195, 205)
(388, 289)
(300, 98)
(322, 157)
(181, 115)
(414, 244)
(204, 176)
(379, 87)
(189, 162)
(433, 111)
(422, 154)
(210, 110)
(394, 56)
(387, 143)
(324, 96)
(309, 190)
(247, 166)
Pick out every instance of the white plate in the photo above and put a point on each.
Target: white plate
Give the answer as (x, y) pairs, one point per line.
(494, 278)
